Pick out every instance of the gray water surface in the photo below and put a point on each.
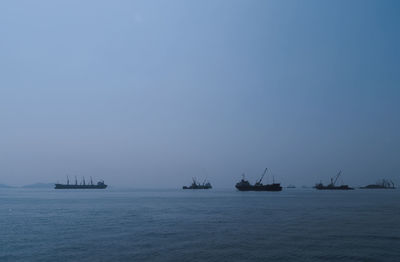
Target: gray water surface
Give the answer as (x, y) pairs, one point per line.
(213, 225)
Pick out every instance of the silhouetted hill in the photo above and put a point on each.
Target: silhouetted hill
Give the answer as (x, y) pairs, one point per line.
(5, 186)
(39, 185)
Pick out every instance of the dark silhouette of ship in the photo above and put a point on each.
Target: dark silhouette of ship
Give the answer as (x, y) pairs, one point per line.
(82, 185)
(245, 185)
(332, 185)
(197, 185)
(383, 184)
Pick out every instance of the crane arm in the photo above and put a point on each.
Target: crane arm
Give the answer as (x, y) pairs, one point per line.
(337, 177)
(265, 171)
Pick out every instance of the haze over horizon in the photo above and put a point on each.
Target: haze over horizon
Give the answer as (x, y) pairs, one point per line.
(153, 93)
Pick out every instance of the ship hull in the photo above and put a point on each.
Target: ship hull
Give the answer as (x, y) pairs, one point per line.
(334, 188)
(194, 188)
(61, 186)
(273, 187)
(376, 187)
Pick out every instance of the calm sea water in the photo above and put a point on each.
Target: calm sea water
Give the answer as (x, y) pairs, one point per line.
(177, 225)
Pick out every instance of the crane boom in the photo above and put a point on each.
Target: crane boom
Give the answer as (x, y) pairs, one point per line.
(265, 171)
(337, 177)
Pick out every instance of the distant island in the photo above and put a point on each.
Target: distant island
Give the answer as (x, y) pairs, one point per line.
(35, 185)
(39, 185)
(5, 186)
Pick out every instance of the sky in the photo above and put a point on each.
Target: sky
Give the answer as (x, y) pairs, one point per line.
(148, 94)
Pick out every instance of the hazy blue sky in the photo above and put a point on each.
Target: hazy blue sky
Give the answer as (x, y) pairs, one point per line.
(151, 93)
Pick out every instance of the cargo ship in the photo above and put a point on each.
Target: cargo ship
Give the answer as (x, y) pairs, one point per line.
(245, 185)
(383, 184)
(196, 185)
(82, 185)
(332, 185)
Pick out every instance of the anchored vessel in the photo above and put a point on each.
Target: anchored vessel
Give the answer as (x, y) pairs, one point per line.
(245, 185)
(383, 184)
(196, 185)
(332, 185)
(82, 185)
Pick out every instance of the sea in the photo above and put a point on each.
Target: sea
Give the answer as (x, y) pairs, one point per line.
(199, 225)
